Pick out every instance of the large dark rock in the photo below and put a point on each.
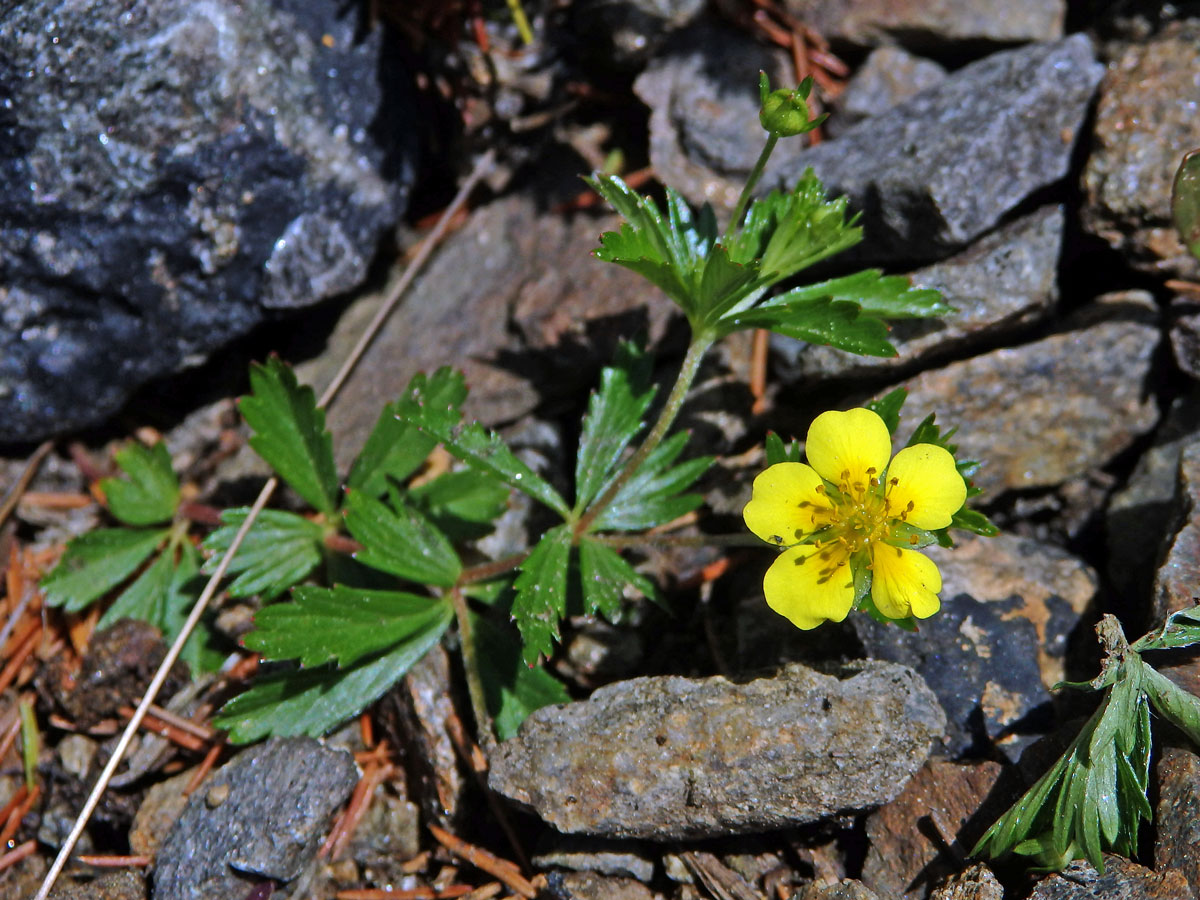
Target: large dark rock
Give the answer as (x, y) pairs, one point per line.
(170, 173)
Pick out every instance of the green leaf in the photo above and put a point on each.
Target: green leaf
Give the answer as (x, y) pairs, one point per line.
(464, 505)
(144, 598)
(651, 497)
(1181, 629)
(888, 408)
(341, 624)
(203, 651)
(974, 521)
(313, 701)
(604, 575)
(289, 433)
(777, 452)
(151, 493)
(1185, 202)
(541, 593)
(482, 450)
(512, 689)
(1174, 704)
(280, 550)
(819, 321)
(96, 562)
(402, 542)
(396, 448)
(613, 418)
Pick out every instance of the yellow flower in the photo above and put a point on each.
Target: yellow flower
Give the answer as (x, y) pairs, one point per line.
(851, 512)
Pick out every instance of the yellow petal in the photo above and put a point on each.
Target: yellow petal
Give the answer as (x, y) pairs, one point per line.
(904, 582)
(924, 489)
(785, 504)
(805, 588)
(849, 446)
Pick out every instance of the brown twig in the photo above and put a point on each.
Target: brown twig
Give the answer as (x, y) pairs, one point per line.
(18, 853)
(206, 764)
(13, 822)
(481, 859)
(13, 497)
(20, 657)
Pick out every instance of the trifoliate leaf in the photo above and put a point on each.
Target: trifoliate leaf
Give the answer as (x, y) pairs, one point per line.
(1182, 629)
(604, 574)
(512, 689)
(777, 452)
(313, 701)
(402, 541)
(150, 495)
(464, 505)
(96, 562)
(613, 418)
(280, 549)
(289, 433)
(396, 448)
(341, 624)
(652, 496)
(888, 408)
(541, 593)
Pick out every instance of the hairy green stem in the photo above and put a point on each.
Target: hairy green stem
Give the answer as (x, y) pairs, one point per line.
(683, 383)
(751, 182)
(466, 640)
(490, 570)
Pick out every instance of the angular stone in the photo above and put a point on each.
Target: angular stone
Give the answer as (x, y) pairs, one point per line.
(944, 167)
(1177, 816)
(1042, 413)
(1179, 571)
(1003, 282)
(169, 174)
(889, 76)
(260, 817)
(1122, 880)
(1185, 334)
(590, 886)
(670, 757)
(126, 885)
(1145, 120)
(845, 889)
(907, 849)
(921, 23)
(974, 883)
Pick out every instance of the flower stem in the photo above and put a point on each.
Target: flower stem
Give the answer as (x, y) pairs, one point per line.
(666, 418)
(751, 182)
(466, 640)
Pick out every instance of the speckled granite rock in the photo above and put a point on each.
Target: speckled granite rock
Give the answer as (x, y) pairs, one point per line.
(170, 172)
(669, 757)
(888, 77)
(1122, 880)
(1177, 815)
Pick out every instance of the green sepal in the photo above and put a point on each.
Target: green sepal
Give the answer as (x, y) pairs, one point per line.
(396, 448)
(289, 433)
(613, 419)
(910, 537)
(402, 542)
(778, 452)
(974, 521)
(888, 408)
(293, 701)
(604, 574)
(541, 593)
(280, 550)
(340, 624)
(96, 562)
(150, 494)
(512, 688)
(652, 497)
(784, 112)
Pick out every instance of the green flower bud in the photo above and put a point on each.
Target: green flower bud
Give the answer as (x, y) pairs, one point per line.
(784, 112)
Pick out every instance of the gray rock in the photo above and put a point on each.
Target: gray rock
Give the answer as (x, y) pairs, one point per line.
(1177, 815)
(1145, 121)
(1040, 414)
(1009, 606)
(671, 757)
(922, 23)
(1122, 880)
(944, 167)
(627, 33)
(999, 284)
(590, 886)
(125, 885)
(889, 76)
(845, 889)
(976, 882)
(1179, 568)
(171, 172)
(1185, 334)
(261, 817)
(622, 859)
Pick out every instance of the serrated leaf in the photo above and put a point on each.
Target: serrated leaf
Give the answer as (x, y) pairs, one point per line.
(613, 419)
(1174, 704)
(289, 433)
(313, 701)
(1181, 629)
(888, 408)
(481, 449)
(340, 624)
(464, 505)
(818, 321)
(280, 550)
(144, 598)
(652, 495)
(396, 448)
(150, 495)
(512, 689)
(203, 651)
(402, 542)
(96, 562)
(541, 593)
(604, 574)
